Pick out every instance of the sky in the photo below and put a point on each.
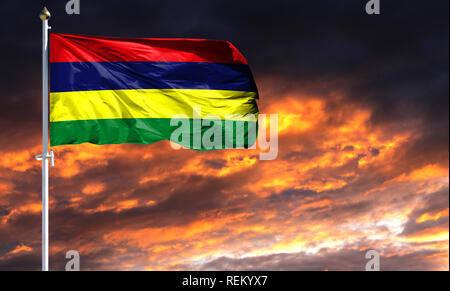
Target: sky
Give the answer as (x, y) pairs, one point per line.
(363, 155)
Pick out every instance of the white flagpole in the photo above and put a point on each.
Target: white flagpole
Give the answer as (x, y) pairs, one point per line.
(45, 156)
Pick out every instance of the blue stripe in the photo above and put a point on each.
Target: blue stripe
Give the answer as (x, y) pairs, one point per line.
(89, 76)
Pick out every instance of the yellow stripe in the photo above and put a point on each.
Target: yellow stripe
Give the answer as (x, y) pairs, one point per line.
(151, 103)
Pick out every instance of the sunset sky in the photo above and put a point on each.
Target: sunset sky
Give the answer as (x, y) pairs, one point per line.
(363, 157)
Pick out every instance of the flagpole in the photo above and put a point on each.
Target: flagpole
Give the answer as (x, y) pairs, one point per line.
(46, 155)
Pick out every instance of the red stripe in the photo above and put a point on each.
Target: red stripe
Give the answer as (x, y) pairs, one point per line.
(76, 48)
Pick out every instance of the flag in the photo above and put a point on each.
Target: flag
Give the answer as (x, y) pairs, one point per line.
(122, 90)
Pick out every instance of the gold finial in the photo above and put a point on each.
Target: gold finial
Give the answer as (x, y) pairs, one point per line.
(45, 14)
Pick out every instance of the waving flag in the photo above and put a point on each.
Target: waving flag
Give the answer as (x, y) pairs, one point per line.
(119, 90)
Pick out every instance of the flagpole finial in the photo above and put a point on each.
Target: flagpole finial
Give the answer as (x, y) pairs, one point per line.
(45, 14)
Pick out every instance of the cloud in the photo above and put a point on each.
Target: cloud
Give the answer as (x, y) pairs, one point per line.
(326, 260)
(125, 208)
(432, 214)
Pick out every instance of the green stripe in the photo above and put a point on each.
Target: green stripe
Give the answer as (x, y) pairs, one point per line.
(144, 131)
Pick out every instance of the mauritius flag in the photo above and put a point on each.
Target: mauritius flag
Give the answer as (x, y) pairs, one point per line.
(120, 90)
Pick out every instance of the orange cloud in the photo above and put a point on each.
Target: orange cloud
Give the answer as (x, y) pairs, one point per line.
(429, 235)
(432, 216)
(20, 249)
(93, 188)
(168, 215)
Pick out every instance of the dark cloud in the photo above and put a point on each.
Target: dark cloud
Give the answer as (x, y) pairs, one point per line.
(432, 204)
(396, 62)
(326, 259)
